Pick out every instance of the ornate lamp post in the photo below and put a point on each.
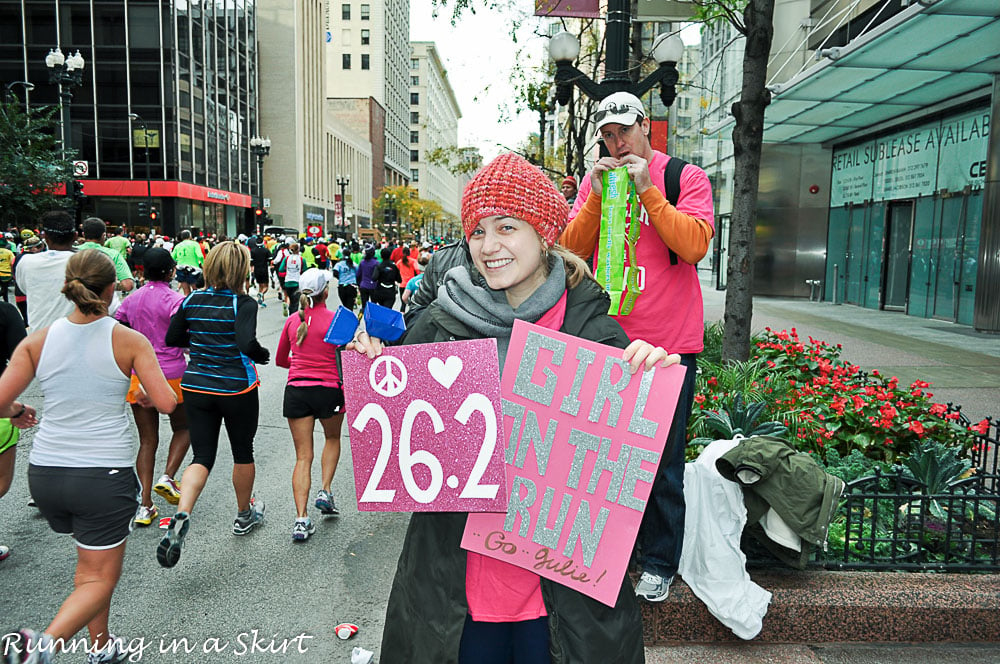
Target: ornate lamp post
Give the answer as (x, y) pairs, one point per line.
(343, 181)
(135, 117)
(260, 147)
(66, 73)
(667, 51)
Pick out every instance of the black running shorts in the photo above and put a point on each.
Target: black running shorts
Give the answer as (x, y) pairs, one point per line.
(312, 401)
(95, 505)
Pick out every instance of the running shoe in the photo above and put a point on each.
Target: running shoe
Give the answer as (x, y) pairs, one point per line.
(653, 587)
(114, 652)
(169, 489)
(303, 529)
(284, 308)
(27, 647)
(325, 504)
(169, 550)
(260, 298)
(145, 515)
(4, 552)
(254, 517)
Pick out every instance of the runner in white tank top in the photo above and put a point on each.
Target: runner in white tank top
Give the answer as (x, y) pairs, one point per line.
(84, 446)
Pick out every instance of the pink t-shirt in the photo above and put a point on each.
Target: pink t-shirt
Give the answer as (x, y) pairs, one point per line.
(315, 361)
(497, 591)
(669, 312)
(148, 310)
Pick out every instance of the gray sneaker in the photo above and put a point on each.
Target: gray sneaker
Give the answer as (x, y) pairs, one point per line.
(245, 523)
(653, 587)
(28, 647)
(325, 504)
(303, 529)
(114, 652)
(168, 552)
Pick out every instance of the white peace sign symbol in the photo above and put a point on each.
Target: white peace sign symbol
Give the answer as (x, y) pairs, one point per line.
(390, 384)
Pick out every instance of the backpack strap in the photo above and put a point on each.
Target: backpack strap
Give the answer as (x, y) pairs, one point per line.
(672, 183)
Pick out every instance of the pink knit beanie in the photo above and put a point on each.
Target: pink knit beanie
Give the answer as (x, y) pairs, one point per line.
(509, 186)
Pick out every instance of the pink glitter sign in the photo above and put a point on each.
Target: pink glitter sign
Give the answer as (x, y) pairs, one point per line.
(595, 435)
(425, 428)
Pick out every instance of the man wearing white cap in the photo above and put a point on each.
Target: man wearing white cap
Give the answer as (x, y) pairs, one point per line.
(664, 303)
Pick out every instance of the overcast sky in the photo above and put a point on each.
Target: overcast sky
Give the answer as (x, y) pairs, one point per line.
(479, 52)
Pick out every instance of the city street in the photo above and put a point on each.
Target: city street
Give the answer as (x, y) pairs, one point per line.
(263, 597)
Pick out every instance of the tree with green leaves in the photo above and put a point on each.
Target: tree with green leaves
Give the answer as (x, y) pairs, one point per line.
(32, 166)
(754, 19)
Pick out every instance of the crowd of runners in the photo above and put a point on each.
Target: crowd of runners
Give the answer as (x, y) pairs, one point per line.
(188, 308)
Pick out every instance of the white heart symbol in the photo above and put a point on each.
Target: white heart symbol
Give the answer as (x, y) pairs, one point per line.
(445, 371)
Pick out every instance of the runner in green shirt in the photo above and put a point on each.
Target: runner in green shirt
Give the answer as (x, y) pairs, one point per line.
(189, 258)
(94, 233)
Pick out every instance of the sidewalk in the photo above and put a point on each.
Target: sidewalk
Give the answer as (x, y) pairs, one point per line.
(962, 365)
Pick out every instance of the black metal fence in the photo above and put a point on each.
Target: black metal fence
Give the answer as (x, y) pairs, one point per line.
(895, 522)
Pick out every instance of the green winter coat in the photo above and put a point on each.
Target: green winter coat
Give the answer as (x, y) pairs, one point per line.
(427, 604)
(774, 475)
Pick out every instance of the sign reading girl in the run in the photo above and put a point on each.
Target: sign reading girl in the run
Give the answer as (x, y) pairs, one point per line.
(425, 428)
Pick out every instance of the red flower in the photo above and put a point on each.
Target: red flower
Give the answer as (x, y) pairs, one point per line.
(981, 427)
(938, 409)
(699, 399)
(712, 382)
(916, 427)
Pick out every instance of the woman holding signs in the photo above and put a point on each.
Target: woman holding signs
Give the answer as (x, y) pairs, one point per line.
(450, 605)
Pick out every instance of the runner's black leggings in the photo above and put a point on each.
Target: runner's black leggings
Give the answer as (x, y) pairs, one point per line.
(207, 412)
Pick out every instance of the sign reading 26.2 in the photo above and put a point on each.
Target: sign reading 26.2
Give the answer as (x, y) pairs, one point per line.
(425, 428)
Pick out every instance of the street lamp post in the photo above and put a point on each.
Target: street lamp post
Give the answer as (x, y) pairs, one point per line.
(28, 87)
(342, 182)
(66, 73)
(260, 147)
(667, 51)
(135, 117)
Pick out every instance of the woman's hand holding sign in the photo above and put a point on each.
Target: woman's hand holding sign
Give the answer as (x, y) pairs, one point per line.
(643, 355)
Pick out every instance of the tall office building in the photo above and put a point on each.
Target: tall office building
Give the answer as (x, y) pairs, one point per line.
(309, 148)
(189, 73)
(434, 115)
(367, 57)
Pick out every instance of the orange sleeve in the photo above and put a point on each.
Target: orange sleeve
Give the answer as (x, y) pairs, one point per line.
(580, 235)
(685, 235)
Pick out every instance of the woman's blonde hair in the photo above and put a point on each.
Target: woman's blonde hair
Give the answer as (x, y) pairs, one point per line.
(307, 300)
(227, 266)
(88, 274)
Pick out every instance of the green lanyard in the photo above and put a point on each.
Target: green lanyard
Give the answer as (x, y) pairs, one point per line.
(618, 202)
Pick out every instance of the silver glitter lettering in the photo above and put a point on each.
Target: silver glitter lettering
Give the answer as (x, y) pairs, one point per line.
(589, 539)
(516, 411)
(571, 402)
(608, 391)
(635, 474)
(639, 424)
(523, 385)
(533, 437)
(544, 535)
(519, 506)
(583, 442)
(604, 464)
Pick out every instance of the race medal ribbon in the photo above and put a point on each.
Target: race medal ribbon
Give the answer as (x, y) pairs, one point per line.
(617, 200)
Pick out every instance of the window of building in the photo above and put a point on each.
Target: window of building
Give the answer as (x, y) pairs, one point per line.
(366, 37)
(414, 155)
(414, 117)
(366, 11)
(345, 37)
(414, 175)
(365, 61)
(346, 61)
(414, 63)
(414, 137)
(414, 98)
(414, 80)
(345, 11)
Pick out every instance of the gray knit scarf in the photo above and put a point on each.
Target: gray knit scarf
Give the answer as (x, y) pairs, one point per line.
(465, 296)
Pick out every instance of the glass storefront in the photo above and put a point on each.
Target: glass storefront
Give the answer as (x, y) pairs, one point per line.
(905, 219)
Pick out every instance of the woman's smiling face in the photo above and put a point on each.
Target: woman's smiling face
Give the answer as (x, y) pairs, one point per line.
(508, 253)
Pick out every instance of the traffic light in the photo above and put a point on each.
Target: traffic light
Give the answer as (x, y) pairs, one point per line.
(153, 214)
(78, 194)
(258, 212)
(143, 209)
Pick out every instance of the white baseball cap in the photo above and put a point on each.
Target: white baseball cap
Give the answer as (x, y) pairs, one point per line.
(313, 281)
(621, 108)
